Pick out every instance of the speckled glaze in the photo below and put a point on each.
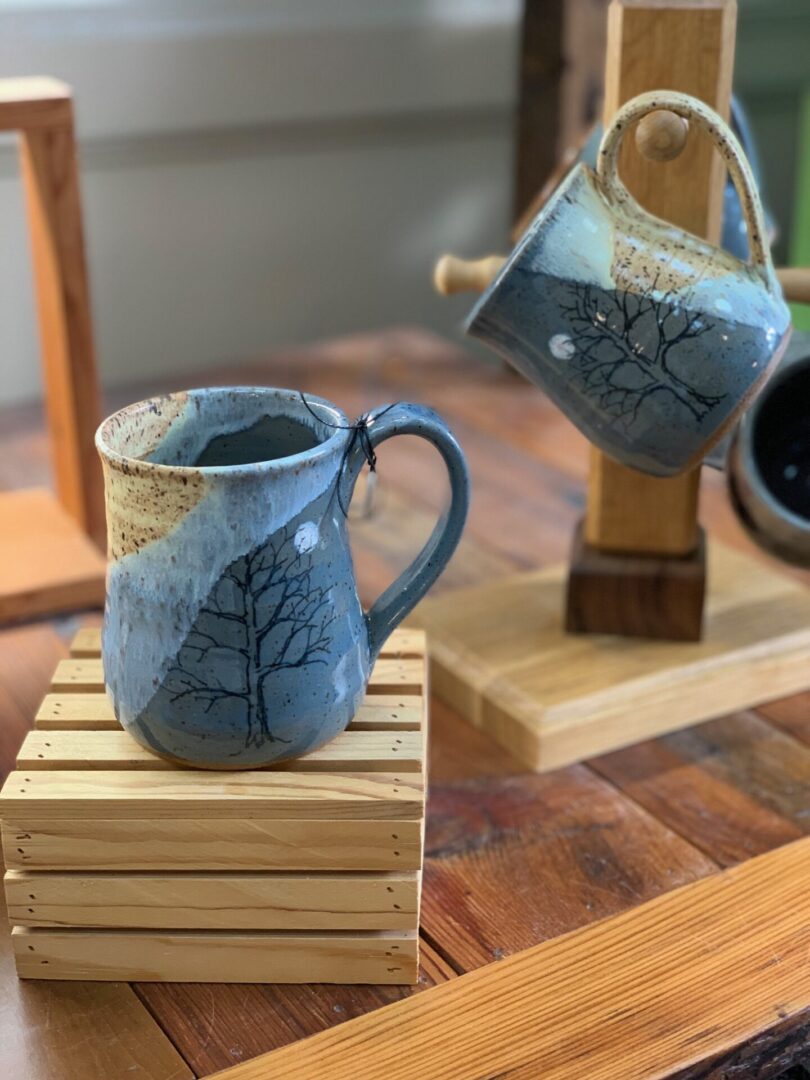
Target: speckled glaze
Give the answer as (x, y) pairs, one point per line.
(768, 465)
(734, 236)
(233, 633)
(651, 340)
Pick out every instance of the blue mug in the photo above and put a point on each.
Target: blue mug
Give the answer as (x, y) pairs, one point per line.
(233, 633)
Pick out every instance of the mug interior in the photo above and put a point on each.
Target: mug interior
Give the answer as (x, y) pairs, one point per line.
(781, 441)
(220, 428)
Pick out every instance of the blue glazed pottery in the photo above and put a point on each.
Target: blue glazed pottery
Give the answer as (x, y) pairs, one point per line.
(768, 465)
(735, 231)
(233, 633)
(651, 340)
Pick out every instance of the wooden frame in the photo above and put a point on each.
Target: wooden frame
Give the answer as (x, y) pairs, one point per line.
(50, 557)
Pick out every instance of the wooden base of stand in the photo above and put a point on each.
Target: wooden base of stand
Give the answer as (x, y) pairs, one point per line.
(635, 595)
(47, 564)
(501, 656)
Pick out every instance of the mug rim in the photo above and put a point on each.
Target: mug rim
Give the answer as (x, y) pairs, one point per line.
(139, 464)
(472, 322)
(742, 448)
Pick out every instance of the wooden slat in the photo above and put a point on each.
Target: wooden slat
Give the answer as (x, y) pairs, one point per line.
(198, 794)
(404, 643)
(94, 712)
(390, 676)
(176, 901)
(61, 843)
(648, 993)
(353, 751)
(217, 957)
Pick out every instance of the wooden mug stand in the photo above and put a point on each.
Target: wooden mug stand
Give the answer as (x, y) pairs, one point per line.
(51, 547)
(635, 638)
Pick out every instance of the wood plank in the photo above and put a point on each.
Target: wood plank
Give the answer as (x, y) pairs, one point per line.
(194, 793)
(513, 860)
(211, 844)
(243, 901)
(94, 712)
(500, 656)
(47, 564)
(351, 751)
(390, 676)
(678, 980)
(791, 714)
(214, 1026)
(404, 643)
(626, 511)
(342, 956)
(734, 787)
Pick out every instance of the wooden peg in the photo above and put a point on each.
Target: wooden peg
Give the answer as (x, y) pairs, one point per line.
(661, 136)
(795, 282)
(453, 275)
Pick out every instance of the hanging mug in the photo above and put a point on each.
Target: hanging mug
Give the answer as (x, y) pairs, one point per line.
(233, 635)
(649, 339)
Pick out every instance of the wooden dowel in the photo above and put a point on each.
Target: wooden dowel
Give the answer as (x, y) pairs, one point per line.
(454, 275)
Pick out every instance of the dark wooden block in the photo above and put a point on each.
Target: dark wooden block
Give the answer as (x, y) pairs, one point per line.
(635, 595)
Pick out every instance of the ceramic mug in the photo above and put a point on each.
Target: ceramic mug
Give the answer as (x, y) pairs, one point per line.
(651, 340)
(233, 634)
(768, 465)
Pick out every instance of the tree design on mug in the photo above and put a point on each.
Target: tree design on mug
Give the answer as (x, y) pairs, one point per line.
(624, 348)
(266, 615)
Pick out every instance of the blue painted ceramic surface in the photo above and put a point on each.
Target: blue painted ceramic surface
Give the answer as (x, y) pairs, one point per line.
(233, 633)
(651, 340)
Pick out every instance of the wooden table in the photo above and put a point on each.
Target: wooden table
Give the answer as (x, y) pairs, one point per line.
(512, 858)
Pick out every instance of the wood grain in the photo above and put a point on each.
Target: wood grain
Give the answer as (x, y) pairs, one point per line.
(680, 979)
(221, 956)
(216, 1025)
(735, 787)
(500, 656)
(173, 843)
(640, 596)
(239, 901)
(186, 793)
(51, 181)
(350, 751)
(627, 512)
(47, 564)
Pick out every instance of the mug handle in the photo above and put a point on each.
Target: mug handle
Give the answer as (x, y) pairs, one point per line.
(690, 108)
(402, 595)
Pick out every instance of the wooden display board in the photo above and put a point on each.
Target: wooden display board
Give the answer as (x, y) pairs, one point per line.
(629, 641)
(51, 548)
(123, 866)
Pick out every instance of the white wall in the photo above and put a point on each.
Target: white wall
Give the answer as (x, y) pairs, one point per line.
(262, 173)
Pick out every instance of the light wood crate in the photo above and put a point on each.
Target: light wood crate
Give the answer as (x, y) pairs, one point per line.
(123, 866)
